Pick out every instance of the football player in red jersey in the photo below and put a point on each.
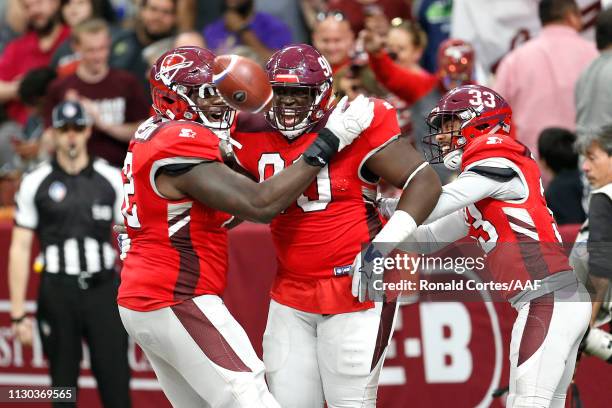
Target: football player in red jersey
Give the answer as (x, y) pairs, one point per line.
(320, 344)
(178, 197)
(498, 201)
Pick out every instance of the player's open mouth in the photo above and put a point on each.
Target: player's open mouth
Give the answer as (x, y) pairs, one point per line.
(290, 117)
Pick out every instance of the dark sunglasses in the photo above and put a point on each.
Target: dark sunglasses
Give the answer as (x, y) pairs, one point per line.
(70, 126)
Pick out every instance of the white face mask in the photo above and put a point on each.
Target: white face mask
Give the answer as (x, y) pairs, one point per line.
(452, 160)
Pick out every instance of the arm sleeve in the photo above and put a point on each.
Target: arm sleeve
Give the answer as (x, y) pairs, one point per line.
(435, 236)
(26, 213)
(408, 85)
(600, 236)
(471, 187)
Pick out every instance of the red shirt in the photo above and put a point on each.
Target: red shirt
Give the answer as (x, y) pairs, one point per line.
(20, 56)
(179, 248)
(318, 237)
(527, 241)
(409, 85)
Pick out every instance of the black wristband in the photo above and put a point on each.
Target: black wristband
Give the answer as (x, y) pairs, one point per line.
(18, 319)
(320, 152)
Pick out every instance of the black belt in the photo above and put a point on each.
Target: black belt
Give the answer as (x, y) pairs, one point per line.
(83, 280)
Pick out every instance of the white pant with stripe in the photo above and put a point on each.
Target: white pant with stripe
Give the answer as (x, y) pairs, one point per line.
(543, 348)
(202, 357)
(312, 359)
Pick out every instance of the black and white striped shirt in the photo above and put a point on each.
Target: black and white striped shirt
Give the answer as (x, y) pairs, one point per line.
(72, 215)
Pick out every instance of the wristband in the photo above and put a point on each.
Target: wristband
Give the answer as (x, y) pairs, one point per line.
(19, 319)
(320, 152)
(399, 227)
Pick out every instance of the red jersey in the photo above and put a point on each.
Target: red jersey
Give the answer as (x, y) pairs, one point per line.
(22, 55)
(318, 236)
(179, 247)
(527, 244)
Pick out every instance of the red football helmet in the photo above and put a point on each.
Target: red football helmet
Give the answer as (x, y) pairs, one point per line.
(182, 88)
(455, 63)
(463, 114)
(302, 82)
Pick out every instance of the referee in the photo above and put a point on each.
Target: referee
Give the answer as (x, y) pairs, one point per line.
(70, 203)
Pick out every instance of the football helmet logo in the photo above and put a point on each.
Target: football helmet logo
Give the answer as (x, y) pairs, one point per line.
(170, 65)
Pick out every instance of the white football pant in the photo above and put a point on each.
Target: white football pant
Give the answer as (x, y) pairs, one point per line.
(543, 349)
(202, 357)
(312, 359)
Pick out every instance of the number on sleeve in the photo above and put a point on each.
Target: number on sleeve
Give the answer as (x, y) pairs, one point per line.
(129, 211)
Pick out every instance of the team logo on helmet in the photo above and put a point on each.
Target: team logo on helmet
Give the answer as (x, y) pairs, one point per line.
(170, 66)
(457, 51)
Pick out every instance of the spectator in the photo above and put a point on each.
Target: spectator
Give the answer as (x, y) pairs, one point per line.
(30, 149)
(593, 93)
(596, 148)
(32, 50)
(157, 19)
(13, 18)
(334, 38)
(113, 98)
(405, 44)
(538, 78)
(421, 90)
(242, 27)
(19, 145)
(70, 204)
(434, 16)
(559, 159)
(357, 11)
(74, 12)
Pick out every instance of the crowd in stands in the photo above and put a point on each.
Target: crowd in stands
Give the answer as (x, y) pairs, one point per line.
(554, 73)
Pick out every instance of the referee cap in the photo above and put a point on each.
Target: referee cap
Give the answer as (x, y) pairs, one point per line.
(68, 113)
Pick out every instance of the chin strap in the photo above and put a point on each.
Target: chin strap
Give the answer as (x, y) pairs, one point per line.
(452, 160)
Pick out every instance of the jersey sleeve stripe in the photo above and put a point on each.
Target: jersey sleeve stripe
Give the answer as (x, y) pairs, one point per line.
(26, 213)
(360, 169)
(113, 176)
(155, 167)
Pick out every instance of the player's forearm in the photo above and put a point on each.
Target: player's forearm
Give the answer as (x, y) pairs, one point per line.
(8, 90)
(122, 132)
(18, 271)
(278, 192)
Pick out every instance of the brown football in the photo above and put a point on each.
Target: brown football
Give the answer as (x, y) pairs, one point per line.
(242, 83)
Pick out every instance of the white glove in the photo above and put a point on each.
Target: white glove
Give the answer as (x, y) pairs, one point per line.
(386, 206)
(348, 123)
(125, 244)
(362, 286)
